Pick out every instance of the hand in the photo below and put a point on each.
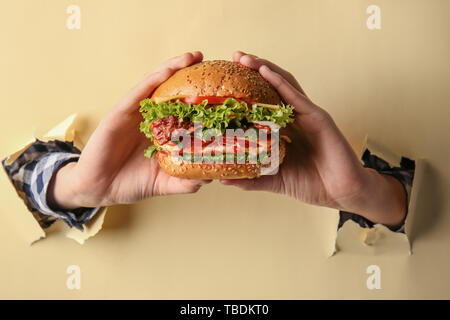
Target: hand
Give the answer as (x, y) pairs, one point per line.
(320, 166)
(112, 167)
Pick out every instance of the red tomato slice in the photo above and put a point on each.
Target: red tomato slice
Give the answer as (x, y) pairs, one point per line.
(260, 126)
(211, 99)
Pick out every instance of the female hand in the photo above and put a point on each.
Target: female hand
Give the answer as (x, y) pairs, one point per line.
(112, 167)
(320, 166)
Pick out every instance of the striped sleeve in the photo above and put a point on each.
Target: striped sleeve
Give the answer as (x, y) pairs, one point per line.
(31, 174)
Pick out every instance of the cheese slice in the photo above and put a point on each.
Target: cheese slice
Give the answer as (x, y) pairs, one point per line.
(268, 106)
(165, 99)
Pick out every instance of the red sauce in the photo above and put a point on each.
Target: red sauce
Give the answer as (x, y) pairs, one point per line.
(162, 128)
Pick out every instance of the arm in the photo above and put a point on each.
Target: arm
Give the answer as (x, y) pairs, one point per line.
(111, 168)
(320, 167)
(31, 173)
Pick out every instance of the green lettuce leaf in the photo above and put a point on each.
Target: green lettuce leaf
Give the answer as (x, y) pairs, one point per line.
(150, 151)
(229, 114)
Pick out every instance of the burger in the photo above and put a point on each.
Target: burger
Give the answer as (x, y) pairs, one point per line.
(206, 101)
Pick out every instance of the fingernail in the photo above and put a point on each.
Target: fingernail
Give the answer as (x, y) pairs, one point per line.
(245, 57)
(264, 68)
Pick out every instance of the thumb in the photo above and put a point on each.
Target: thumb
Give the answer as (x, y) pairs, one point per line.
(131, 101)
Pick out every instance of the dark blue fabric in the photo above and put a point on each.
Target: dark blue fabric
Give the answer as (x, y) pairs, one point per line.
(42, 160)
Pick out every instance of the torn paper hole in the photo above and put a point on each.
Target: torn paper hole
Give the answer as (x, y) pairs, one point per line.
(381, 240)
(64, 131)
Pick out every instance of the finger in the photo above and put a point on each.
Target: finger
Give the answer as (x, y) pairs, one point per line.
(131, 101)
(155, 78)
(201, 181)
(237, 55)
(287, 91)
(178, 185)
(180, 62)
(254, 62)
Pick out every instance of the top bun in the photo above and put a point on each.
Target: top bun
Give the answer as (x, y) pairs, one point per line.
(217, 78)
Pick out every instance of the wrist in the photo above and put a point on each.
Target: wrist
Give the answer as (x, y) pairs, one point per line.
(61, 192)
(382, 199)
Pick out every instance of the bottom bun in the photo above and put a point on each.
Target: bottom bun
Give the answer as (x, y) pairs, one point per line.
(188, 170)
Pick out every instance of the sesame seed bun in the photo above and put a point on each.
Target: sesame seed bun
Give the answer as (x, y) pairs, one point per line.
(187, 170)
(218, 78)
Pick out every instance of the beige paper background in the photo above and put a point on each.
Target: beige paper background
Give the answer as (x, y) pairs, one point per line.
(221, 243)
